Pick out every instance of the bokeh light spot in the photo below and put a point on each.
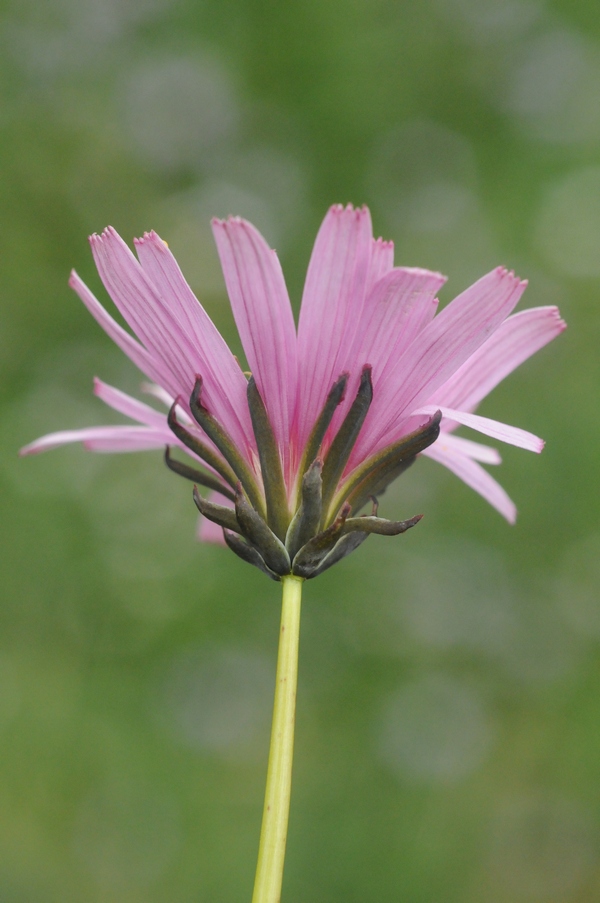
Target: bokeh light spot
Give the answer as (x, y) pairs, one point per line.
(218, 700)
(567, 231)
(435, 728)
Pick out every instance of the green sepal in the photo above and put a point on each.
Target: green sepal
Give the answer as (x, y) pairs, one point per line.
(278, 516)
(248, 553)
(226, 446)
(334, 398)
(371, 524)
(375, 474)
(196, 476)
(343, 547)
(314, 551)
(198, 447)
(218, 514)
(260, 535)
(305, 523)
(345, 439)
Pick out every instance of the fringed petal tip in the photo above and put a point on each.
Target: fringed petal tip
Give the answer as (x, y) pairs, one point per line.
(554, 313)
(383, 244)
(350, 208)
(217, 221)
(349, 211)
(504, 273)
(152, 238)
(108, 233)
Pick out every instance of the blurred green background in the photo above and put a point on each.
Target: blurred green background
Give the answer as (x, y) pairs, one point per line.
(449, 710)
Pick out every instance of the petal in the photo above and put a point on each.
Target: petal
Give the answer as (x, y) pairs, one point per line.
(502, 431)
(332, 306)
(437, 352)
(514, 341)
(132, 348)
(264, 319)
(381, 261)
(208, 531)
(136, 352)
(102, 439)
(473, 450)
(129, 406)
(398, 307)
(471, 473)
(161, 395)
(126, 439)
(155, 324)
(224, 382)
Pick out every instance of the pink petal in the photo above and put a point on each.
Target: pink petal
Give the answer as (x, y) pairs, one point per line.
(160, 394)
(139, 303)
(128, 439)
(474, 476)
(143, 413)
(263, 315)
(129, 406)
(155, 322)
(134, 351)
(502, 431)
(474, 450)
(380, 263)
(102, 439)
(209, 531)
(514, 341)
(398, 307)
(332, 306)
(224, 389)
(437, 352)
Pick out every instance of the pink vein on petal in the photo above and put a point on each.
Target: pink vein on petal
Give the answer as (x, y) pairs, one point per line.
(224, 386)
(132, 348)
(264, 318)
(380, 263)
(139, 303)
(438, 350)
(397, 308)
(515, 340)
(151, 318)
(332, 307)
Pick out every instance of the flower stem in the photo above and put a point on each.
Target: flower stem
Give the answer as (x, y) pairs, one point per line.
(273, 834)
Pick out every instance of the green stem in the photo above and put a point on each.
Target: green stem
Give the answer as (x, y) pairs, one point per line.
(273, 834)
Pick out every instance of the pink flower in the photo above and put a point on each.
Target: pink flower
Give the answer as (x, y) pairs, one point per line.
(335, 409)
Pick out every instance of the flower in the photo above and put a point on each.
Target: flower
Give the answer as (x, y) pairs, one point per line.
(333, 411)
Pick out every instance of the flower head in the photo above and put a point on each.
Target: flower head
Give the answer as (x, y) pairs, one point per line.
(334, 410)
